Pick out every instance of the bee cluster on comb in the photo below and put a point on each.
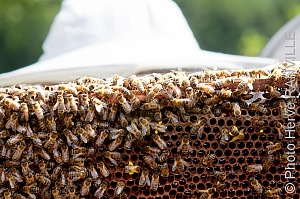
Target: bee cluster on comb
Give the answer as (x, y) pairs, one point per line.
(210, 134)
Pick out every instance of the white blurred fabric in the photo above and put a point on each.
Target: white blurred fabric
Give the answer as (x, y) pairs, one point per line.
(101, 38)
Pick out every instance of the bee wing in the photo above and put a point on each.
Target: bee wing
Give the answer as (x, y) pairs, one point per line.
(55, 106)
(83, 138)
(98, 107)
(174, 167)
(113, 161)
(148, 181)
(185, 163)
(179, 147)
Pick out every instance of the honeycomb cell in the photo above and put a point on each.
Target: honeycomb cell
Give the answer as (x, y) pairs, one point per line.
(221, 122)
(212, 121)
(179, 128)
(193, 118)
(170, 128)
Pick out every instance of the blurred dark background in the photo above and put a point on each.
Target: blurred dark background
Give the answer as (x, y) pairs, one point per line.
(231, 26)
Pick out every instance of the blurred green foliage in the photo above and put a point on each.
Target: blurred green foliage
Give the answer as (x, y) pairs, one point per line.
(231, 26)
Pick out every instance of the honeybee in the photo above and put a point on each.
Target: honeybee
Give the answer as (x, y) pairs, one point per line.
(50, 122)
(272, 148)
(152, 105)
(154, 182)
(185, 145)
(99, 105)
(284, 158)
(103, 169)
(84, 101)
(31, 190)
(207, 89)
(179, 164)
(258, 108)
(93, 171)
(83, 135)
(65, 153)
(38, 110)
(14, 139)
(160, 143)
(12, 179)
(145, 126)
(256, 185)
(113, 113)
(77, 175)
(71, 105)
(71, 138)
(129, 140)
(144, 179)
(198, 128)
(152, 150)
(126, 107)
(60, 105)
(224, 137)
(172, 89)
(71, 192)
(18, 152)
(49, 144)
(220, 186)
(150, 161)
(12, 123)
(112, 146)
(164, 170)
(90, 114)
(280, 128)
(100, 191)
(24, 116)
(174, 119)
(254, 168)
(268, 162)
(123, 120)
(29, 179)
(101, 138)
(56, 171)
(259, 72)
(90, 131)
(112, 156)
(206, 194)
(134, 101)
(164, 155)
(220, 175)
(158, 127)
(209, 159)
(119, 188)
(273, 92)
(85, 189)
(13, 104)
(43, 153)
(25, 167)
(283, 108)
(239, 136)
(42, 179)
(43, 168)
(273, 193)
(56, 193)
(194, 196)
(157, 116)
(131, 169)
(7, 194)
(236, 110)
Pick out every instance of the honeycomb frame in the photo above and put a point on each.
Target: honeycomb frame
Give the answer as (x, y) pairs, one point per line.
(256, 100)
